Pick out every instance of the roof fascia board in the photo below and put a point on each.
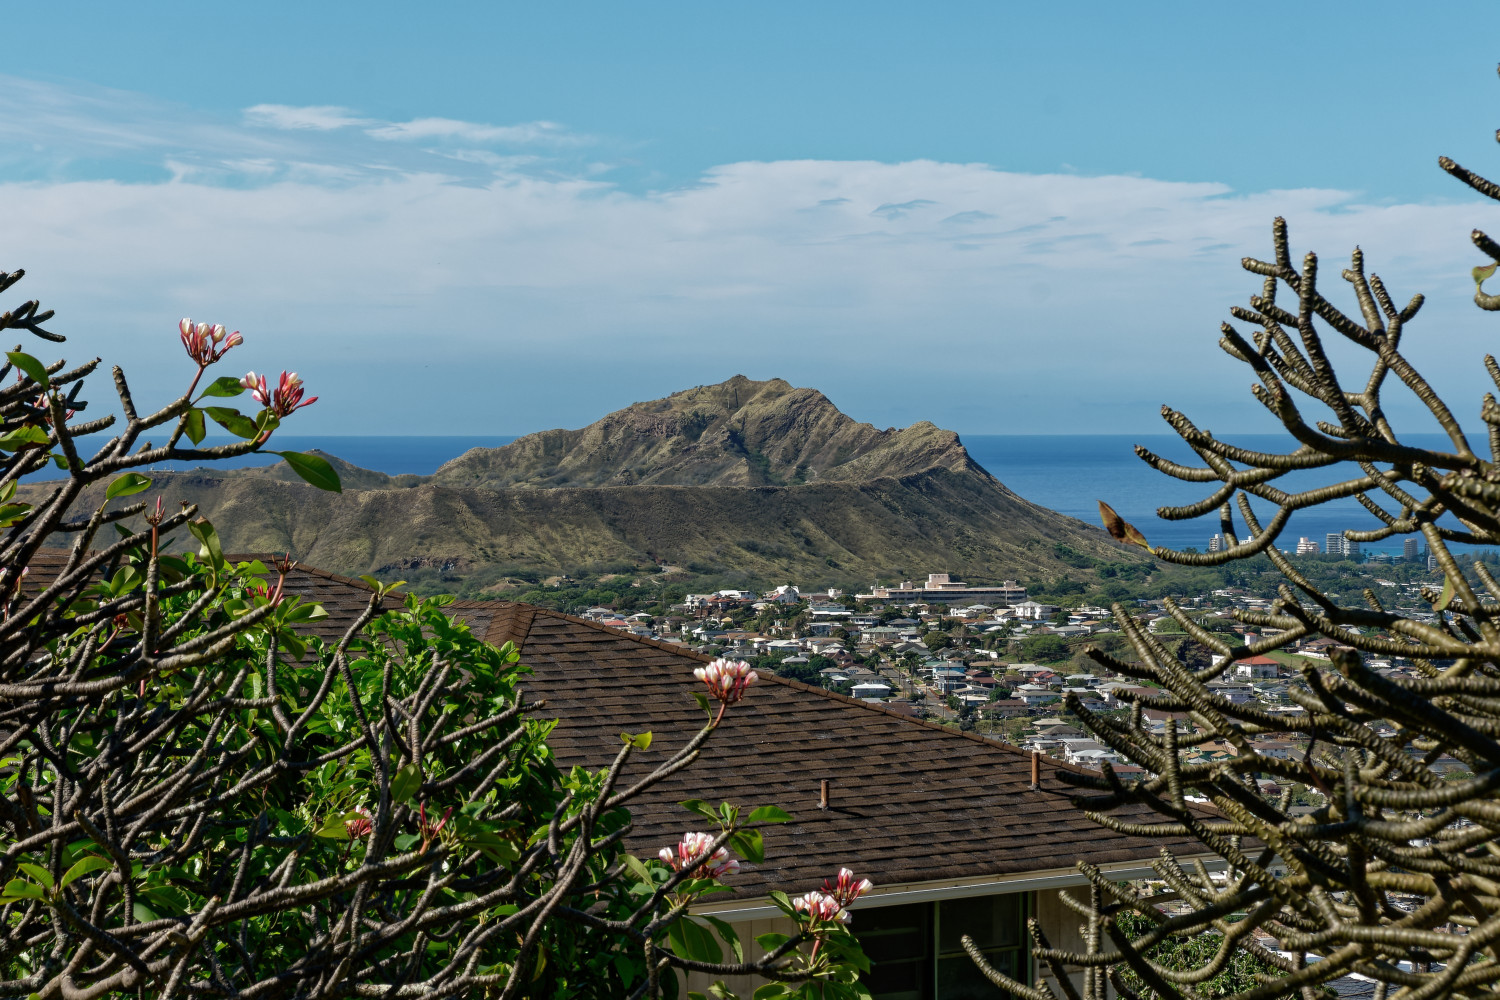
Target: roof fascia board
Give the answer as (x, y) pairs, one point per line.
(736, 911)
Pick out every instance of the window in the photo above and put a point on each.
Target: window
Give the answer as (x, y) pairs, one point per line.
(898, 942)
(915, 953)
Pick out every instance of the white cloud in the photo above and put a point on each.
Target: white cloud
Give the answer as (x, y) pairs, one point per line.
(532, 302)
(317, 117)
(67, 132)
(426, 129)
(431, 285)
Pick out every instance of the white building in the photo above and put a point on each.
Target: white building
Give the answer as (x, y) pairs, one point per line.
(943, 589)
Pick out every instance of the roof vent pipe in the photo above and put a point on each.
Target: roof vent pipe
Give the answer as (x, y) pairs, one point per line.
(823, 797)
(1036, 770)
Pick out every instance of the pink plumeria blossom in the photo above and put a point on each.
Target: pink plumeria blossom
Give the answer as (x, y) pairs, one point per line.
(727, 679)
(207, 342)
(692, 853)
(847, 887)
(821, 907)
(361, 825)
(284, 399)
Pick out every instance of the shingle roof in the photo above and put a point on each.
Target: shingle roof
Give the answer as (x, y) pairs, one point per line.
(911, 801)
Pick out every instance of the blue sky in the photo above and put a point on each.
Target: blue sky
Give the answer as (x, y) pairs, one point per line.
(1000, 217)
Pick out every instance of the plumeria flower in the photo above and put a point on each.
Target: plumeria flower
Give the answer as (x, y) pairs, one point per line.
(727, 679)
(692, 853)
(821, 907)
(262, 589)
(846, 888)
(45, 405)
(207, 343)
(361, 825)
(284, 400)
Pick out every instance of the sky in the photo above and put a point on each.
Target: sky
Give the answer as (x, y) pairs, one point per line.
(498, 218)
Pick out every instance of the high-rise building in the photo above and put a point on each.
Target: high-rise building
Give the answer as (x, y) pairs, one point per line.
(1216, 544)
(1409, 550)
(1351, 549)
(1335, 543)
(1307, 546)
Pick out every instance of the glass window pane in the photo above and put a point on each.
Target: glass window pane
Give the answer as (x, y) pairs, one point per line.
(892, 932)
(960, 979)
(896, 939)
(992, 921)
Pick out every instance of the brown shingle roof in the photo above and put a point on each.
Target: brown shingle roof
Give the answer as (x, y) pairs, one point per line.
(911, 801)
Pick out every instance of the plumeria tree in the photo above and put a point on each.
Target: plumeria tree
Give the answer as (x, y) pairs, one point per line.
(199, 798)
(1394, 874)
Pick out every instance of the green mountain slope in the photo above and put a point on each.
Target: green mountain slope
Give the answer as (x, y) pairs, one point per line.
(689, 481)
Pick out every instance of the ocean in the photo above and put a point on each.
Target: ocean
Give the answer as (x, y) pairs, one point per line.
(1068, 473)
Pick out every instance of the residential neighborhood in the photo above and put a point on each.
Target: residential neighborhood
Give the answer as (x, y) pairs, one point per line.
(1002, 666)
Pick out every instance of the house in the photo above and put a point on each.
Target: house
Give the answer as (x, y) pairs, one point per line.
(871, 690)
(785, 594)
(1034, 611)
(1235, 692)
(1256, 668)
(947, 824)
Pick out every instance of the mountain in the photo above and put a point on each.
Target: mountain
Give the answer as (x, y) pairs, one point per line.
(754, 478)
(736, 433)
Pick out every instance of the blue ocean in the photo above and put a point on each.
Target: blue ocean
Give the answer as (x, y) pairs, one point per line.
(1068, 473)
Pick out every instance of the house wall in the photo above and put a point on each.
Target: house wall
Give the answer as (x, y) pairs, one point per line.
(1062, 926)
(1064, 929)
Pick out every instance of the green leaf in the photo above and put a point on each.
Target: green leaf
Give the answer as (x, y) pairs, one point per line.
(406, 841)
(730, 937)
(782, 903)
(90, 863)
(1481, 273)
(692, 941)
(701, 808)
(334, 828)
(19, 437)
(126, 579)
(1447, 596)
(144, 914)
(768, 814)
(226, 386)
(406, 782)
(210, 548)
(193, 426)
(306, 613)
(37, 872)
(641, 741)
(10, 513)
(234, 421)
(34, 369)
(749, 845)
(637, 867)
(772, 991)
(771, 941)
(702, 700)
(313, 469)
(126, 485)
(19, 888)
